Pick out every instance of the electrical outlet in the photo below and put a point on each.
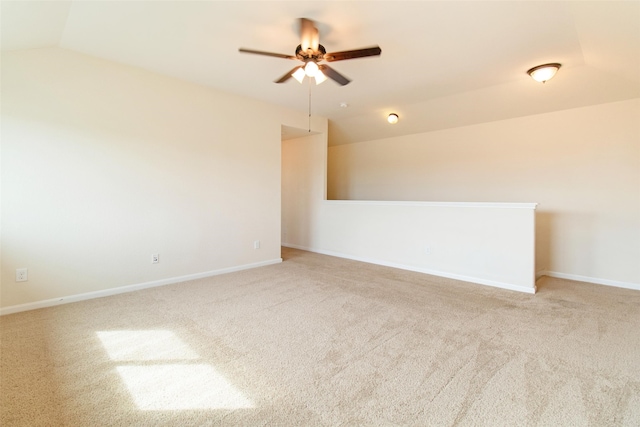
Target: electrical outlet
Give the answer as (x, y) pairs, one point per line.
(427, 250)
(256, 244)
(22, 275)
(155, 258)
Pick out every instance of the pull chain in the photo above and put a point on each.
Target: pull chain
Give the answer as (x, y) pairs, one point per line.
(309, 104)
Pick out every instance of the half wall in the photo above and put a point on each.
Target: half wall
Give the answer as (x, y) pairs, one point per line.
(486, 243)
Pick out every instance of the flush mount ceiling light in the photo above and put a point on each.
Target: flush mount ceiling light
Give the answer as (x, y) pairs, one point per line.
(392, 118)
(544, 72)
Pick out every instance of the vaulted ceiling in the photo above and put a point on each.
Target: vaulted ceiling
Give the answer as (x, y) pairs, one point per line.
(444, 63)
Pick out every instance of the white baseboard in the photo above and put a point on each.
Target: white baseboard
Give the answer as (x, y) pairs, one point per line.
(130, 288)
(594, 280)
(463, 278)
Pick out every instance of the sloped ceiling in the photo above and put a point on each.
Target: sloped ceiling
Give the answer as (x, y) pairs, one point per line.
(443, 64)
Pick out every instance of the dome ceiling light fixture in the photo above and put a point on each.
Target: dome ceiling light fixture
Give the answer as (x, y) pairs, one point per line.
(393, 118)
(544, 72)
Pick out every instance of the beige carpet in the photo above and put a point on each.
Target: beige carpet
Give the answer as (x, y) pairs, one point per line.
(322, 341)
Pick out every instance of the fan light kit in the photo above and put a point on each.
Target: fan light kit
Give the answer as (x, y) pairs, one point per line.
(393, 118)
(545, 72)
(312, 53)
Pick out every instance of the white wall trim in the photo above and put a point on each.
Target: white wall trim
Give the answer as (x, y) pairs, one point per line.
(495, 205)
(419, 270)
(594, 280)
(130, 288)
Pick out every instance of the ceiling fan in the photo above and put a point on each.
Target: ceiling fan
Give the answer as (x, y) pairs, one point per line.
(312, 53)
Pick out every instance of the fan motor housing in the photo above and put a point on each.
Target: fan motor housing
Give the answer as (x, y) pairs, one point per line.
(310, 54)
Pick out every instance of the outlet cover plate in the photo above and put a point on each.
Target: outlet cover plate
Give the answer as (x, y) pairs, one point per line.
(22, 275)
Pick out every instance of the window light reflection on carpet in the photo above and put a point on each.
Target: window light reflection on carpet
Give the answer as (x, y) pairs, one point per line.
(145, 345)
(178, 381)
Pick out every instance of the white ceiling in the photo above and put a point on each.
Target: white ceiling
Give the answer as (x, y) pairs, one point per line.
(443, 64)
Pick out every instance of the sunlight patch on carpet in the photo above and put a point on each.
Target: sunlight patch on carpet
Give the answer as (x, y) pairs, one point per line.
(163, 373)
(175, 387)
(145, 345)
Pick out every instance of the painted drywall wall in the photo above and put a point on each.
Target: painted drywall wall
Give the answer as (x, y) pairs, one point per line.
(491, 244)
(581, 165)
(104, 165)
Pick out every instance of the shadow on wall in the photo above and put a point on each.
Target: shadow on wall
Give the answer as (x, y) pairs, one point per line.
(544, 232)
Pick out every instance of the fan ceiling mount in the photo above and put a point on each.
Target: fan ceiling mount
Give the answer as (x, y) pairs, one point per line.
(312, 53)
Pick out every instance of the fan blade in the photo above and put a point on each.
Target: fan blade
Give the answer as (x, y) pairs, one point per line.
(333, 74)
(309, 37)
(259, 52)
(351, 54)
(288, 75)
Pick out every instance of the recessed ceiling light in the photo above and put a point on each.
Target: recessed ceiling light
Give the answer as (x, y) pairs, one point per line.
(393, 118)
(344, 105)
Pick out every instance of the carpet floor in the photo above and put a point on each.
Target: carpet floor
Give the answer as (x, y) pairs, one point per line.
(324, 341)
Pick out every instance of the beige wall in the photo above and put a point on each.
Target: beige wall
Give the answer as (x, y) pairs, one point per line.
(491, 244)
(303, 187)
(581, 165)
(104, 165)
